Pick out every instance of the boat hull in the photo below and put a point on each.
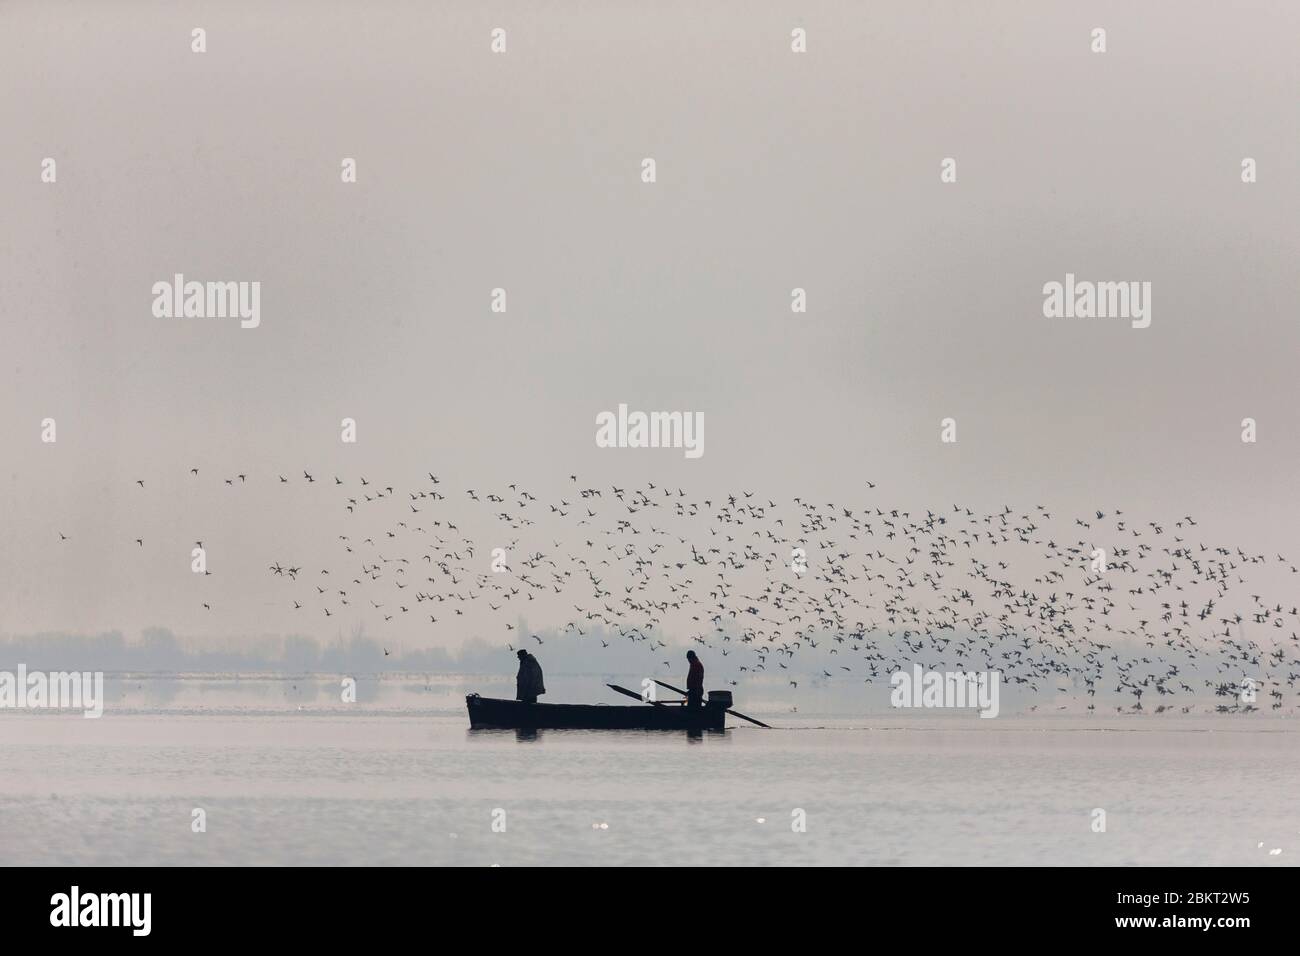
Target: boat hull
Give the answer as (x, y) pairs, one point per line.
(493, 713)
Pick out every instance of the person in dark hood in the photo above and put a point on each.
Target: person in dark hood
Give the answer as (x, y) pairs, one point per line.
(694, 681)
(528, 682)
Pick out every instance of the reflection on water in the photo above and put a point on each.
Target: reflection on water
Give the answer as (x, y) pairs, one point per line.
(399, 779)
(524, 734)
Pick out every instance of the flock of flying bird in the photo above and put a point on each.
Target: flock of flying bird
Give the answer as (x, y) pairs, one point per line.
(821, 592)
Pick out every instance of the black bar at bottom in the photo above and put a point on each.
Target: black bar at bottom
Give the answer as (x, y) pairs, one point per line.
(328, 906)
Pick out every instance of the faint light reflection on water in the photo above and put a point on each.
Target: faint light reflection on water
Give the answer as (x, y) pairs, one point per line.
(399, 779)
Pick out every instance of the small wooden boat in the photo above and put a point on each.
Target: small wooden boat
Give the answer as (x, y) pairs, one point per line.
(489, 712)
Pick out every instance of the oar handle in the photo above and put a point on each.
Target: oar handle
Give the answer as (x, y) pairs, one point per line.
(631, 693)
(675, 690)
(733, 713)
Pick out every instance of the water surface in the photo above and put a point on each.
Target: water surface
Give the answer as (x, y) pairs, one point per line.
(287, 774)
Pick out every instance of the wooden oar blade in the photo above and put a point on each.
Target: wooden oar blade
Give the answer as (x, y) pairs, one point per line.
(734, 713)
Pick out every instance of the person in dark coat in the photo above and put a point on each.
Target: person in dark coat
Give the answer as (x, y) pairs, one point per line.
(528, 682)
(694, 681)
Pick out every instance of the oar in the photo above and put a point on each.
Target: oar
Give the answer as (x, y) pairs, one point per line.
(733, 713)
(632, 693)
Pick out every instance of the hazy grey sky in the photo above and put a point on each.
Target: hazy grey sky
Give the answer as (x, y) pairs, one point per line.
(775, 170)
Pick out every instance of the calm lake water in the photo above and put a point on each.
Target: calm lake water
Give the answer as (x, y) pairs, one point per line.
(287, 775)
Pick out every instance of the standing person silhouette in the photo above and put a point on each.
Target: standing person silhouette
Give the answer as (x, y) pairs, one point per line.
(694, 681)
(528, 682)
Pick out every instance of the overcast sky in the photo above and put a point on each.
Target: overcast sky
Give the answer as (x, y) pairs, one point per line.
(775, 170)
